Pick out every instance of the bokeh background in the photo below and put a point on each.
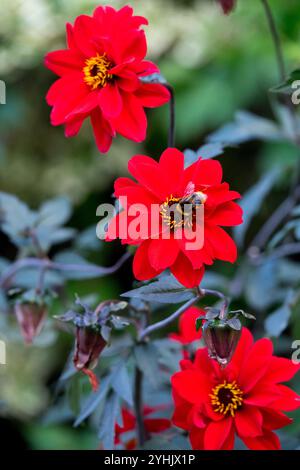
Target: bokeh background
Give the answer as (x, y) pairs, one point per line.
(217, 65)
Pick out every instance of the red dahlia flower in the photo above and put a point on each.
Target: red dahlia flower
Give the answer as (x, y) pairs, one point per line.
(187, 326)
(246, 398)
(100, 74)
(163, 241)
(152, 426)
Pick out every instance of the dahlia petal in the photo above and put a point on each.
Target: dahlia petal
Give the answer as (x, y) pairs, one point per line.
(183, 270)
(281, 370)
(256, 365)
(132, 122)
(221, 243)
(196, 437)
(70, 36)
(133, 45)
(102, 131)
(171, 164)
(64, 61)
(147, 172)
(153, 95)
(163, 253)
(288, 400)
(154, 425)
(204, 173)
(227, 214)
(261, 396)
(243, 348)
(110, 100)
(187, 326)
(192, 386)
(85, 35)
(127, 80)
(274, 419)
(134, 193)
(142, 268)
(219, 194)
(248, 422)
(268, 441)
(73, 98)
(216, 433)
(144, 68)
(87, 104)
(73, 127)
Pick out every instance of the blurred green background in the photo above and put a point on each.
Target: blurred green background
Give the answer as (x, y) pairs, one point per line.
(217, 65)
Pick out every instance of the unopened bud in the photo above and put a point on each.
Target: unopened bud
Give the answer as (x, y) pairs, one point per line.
(31, 318)
(221, 340)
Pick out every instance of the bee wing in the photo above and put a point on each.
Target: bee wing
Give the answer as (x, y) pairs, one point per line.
(190, 189)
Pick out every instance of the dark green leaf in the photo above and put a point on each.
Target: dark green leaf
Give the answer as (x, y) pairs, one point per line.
(165, 290)
(278, 321)
(122, 385)
(252, 201)
(108, 421)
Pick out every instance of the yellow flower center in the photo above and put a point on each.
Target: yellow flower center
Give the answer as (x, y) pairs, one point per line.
(178, 212)
(226, 398)
(96, 71)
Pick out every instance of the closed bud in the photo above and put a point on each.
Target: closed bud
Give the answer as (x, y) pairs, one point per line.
(31, 318)
(221, 340)
(88, 347)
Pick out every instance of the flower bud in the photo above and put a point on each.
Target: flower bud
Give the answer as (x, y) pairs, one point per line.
(88, 347)
(31, 318)
(227, 5)
(221, 340)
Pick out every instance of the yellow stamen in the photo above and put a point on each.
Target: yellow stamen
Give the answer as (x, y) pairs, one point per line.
(96, 71)
(226, 398)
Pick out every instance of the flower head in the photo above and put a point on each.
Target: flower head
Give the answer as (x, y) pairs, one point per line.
(178, 238)
(31, 318)
(101, 74)
(246, 398)
(126, 434)
(187, 326)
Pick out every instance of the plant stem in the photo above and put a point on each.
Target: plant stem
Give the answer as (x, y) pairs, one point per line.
(276, 40)
(285, 250)
(166, 321)
(216, 293)
(38, 263)
(138, 405)
(171, 137)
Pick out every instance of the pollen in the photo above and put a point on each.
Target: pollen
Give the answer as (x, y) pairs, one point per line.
(96, 71)
(168, 212)
(226, 398)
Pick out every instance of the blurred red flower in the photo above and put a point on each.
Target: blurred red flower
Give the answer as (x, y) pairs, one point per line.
(245, 399)
(227, 5)
(167, 183)
(187, 326)
(100, 75)
(152, 426)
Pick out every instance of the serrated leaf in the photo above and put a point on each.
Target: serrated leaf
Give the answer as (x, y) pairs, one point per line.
(93, 401)
(122, 385)
(205, 152)
(146, 356)
(165, 290)
(278, 321)
(252, 201)
(246, 126)
(108, 420)
(55, 213)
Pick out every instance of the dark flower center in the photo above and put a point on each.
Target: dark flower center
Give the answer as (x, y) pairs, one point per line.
(96, 71)
(226, 398)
